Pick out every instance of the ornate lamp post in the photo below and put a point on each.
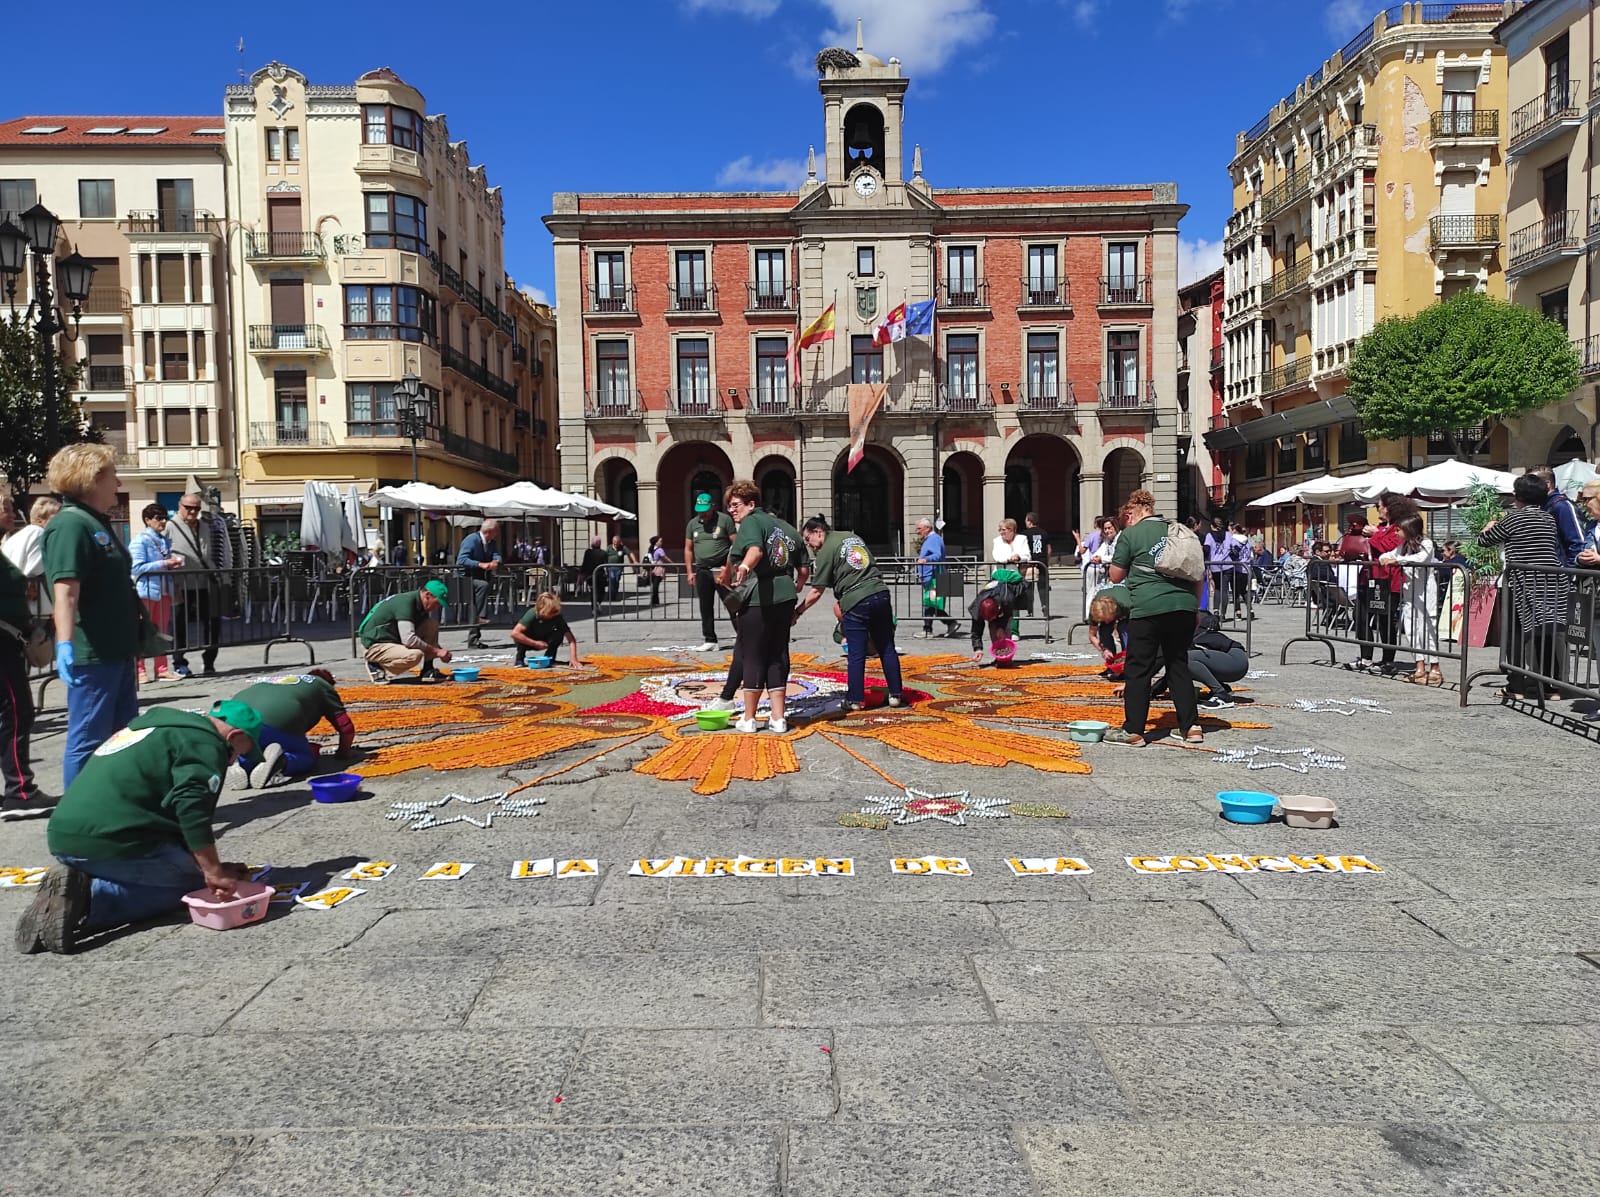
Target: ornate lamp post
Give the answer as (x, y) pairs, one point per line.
(413, 412)
(74, 273)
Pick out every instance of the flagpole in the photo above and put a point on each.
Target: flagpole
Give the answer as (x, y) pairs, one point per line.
(833, 341)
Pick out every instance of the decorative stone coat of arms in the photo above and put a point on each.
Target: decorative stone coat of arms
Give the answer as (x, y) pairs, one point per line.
(866, 302)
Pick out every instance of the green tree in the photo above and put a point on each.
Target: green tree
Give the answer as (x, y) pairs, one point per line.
(34, 425)
(1468, 361)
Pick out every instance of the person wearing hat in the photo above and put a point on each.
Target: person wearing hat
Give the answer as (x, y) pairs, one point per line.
(401, 633)
(705, 550)
(132, 834)
(290, 707)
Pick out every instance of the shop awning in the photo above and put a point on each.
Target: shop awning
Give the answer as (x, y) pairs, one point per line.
(1270, 428)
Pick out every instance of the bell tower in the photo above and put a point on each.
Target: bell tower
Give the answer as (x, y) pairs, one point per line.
(863, 105)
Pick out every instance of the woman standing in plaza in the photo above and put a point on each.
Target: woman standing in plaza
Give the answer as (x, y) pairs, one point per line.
(1528, 536)
(152, 557)
(764, 555)
(1419, 599)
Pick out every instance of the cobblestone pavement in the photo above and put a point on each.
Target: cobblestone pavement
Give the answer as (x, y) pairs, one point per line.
(1430, 1029)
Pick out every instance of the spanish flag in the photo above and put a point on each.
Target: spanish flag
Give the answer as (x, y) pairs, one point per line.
(818, 331)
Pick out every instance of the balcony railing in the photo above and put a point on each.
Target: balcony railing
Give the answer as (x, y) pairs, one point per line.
(1040, 292)
(537, 365)
(519, 354)
(172, 220)
(1125, 291)
(769, 297)
(611, 300)
(472, 295)
(612, 404)
(692, 299)
(107, 299)
(701, 402)
(966, 396)
(1286, 280)
(1117, 394)
(899, 398)
(449, 278)
(1588, 351)
(1059, 398)
(1287, 375)
(454, 359)
(1475, 123)
(288, 338)
(280, 247)
(768, 401)
(1296, 186)
(279, 435)
(522, 420)
(107, 378)
(495, 459)
(1594, 216)
(1448, 231)
(1556, 233)
(1544, 115)
(1217, 357)
(387, 430)
(970, 293)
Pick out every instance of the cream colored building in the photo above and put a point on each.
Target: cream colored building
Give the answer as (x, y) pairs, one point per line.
(369, 247)
(144, 198)
(1375, 188)
(533, 370)
(1553, 207)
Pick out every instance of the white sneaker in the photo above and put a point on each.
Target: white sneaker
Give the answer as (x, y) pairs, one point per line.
(710, 646)
(238, 779)
(777, 726)
(271, 761)
(722, 704)
(744, 725)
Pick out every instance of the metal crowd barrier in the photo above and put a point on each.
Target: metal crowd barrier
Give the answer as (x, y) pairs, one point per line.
(1548, 657)
(204, 611)
(1095, 577)
(1365, 619)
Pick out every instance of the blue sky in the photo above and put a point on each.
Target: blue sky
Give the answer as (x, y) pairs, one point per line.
(663, 95)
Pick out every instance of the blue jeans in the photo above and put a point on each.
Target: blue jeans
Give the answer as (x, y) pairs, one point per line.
(129, 891)
(101, 705)
(614, 582)
(872, 617)
(298, 756)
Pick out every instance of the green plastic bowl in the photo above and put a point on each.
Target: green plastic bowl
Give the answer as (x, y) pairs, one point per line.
(1087, 731)
(713, 720)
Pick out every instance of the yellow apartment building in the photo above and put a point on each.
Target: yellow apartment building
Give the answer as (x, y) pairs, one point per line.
(533, 372)
(1374, 188)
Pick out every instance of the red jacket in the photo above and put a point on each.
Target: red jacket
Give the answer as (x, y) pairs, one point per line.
(1386, 540)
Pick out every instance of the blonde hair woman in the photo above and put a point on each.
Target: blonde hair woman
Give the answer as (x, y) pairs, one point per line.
(24, 550)
(541, 630)
(96, 642)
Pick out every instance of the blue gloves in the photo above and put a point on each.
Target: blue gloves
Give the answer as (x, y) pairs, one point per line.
(65, 664)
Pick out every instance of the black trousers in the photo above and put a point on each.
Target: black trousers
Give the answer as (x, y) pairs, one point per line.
(16, 721)
(705, 589)
(735, 681)
(1381, 622)
(1153, 640)
(198, 624)
(764, 644)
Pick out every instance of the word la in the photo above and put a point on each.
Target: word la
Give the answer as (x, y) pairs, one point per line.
(1058, 866)
(1212, 863)
(745, 866)
(941, 866)
(548, 867)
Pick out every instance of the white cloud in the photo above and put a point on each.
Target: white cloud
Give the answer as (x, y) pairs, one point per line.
(1345, 18)
(784, 174)
(1085, 12)
(924, 34)
(744, 8)
(538, 295)
(1197, 258)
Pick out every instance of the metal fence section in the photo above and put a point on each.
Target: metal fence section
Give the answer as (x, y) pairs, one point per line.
(1541, 656)
(202, 612)
(509, 591)
(1431, 619)
(1095, 577)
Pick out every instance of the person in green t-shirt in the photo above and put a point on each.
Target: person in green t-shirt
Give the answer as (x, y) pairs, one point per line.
(541, 629)
(705, 551)
(861, 603)
(1161, 622)
(290, 707)
(96, 641)
(767, 550)
(23, 799)
(401, 633)
(133, 832)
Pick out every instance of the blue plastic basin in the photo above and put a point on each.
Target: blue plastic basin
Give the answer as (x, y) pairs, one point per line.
(1246, 806)
(466, 673)
(336, 787)
(538, 662)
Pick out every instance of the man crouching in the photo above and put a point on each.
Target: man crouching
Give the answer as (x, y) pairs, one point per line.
(133, 831)
(402, 632)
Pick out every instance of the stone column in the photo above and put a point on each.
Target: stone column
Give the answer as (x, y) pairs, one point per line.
(188, 278)
(648, 512)
(994, 509)
(1091, 488)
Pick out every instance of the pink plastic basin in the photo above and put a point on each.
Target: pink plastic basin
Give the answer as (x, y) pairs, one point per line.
(1004, 650)
(249, 907)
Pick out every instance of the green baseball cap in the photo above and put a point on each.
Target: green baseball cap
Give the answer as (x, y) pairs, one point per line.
(438, 589)
(240, 716)
(702, 504)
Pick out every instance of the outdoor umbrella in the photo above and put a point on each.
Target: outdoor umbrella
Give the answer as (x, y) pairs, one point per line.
(1451, 479)
(1571, 475)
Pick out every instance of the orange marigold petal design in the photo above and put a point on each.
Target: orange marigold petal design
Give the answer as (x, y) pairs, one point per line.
(509, 744)
(402, 718)
(713, 761)
(992, 748)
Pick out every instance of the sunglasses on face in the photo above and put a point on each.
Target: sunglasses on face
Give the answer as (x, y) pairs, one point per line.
(188, 509)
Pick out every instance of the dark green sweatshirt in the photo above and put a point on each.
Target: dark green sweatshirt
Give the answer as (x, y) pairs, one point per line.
(155, 782)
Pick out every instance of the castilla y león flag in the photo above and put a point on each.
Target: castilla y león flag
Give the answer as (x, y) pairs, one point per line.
(865, 400)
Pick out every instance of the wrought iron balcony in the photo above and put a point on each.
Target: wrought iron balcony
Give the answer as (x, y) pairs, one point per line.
(537, 365)
(964, 293)
(693, 300)
(614, 403)
(966, 396)
(1045, 292)
(172, 220)
(1588, 351)
(450, 278)
(1545, 116)
(1554, 236)
(1287, 375)
(106, 378)
(472, 295)
(771, 401)
(1125, 291)
(301, 339)
(1297, 186)
(1058, 398)
(611, 300)
(454, 359)
(1475, 124)
(495, 459)
(282, 247)
(699, 402)
(107, 299)
(522, 420)
(769, 296)
(1119, 394)
(1449, 232)
(1217, 357)
(519, 354)
(290, 435)
(1286, 280)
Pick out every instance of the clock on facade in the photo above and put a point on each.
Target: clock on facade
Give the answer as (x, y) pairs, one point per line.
(865, 185)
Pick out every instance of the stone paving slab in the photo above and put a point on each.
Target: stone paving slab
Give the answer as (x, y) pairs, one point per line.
(66, 996)
(679, 989)
(1533, 1073)
(1537, 925)
(1096, 988)
(386, 994)
(972, 1075)
(1408, 988)
(1284, 1074)
(833, 1160)
(837, 989)
(48, 1078)
(1111, 926)
(1503, 1161)
(1326, 926)
(707, 1161)
(151, 1165)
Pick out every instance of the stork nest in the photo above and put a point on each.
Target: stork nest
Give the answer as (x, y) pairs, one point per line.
(838, 59)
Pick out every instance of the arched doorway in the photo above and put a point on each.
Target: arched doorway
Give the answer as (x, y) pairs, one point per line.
(1042, 477)
(686, 470)
(1123, 470)
(617, 483)
(868, 500)
(774, 478)
(961, 504)
(1568, 446)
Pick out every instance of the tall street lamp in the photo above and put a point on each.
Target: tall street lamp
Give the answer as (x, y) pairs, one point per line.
(413, 413)
(74, 273)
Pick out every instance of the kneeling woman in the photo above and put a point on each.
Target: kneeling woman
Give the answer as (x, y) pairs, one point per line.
(843, 562)
(541, 631)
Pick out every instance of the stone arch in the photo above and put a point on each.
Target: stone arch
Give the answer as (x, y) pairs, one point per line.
(616, 481)
(774, 476)
(1124, 470)
(870, 500)
(1567, 446)
(686, 469)
(961, 500)
(1042, 472)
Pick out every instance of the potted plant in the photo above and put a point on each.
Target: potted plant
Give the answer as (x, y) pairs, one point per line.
(1483, 505)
